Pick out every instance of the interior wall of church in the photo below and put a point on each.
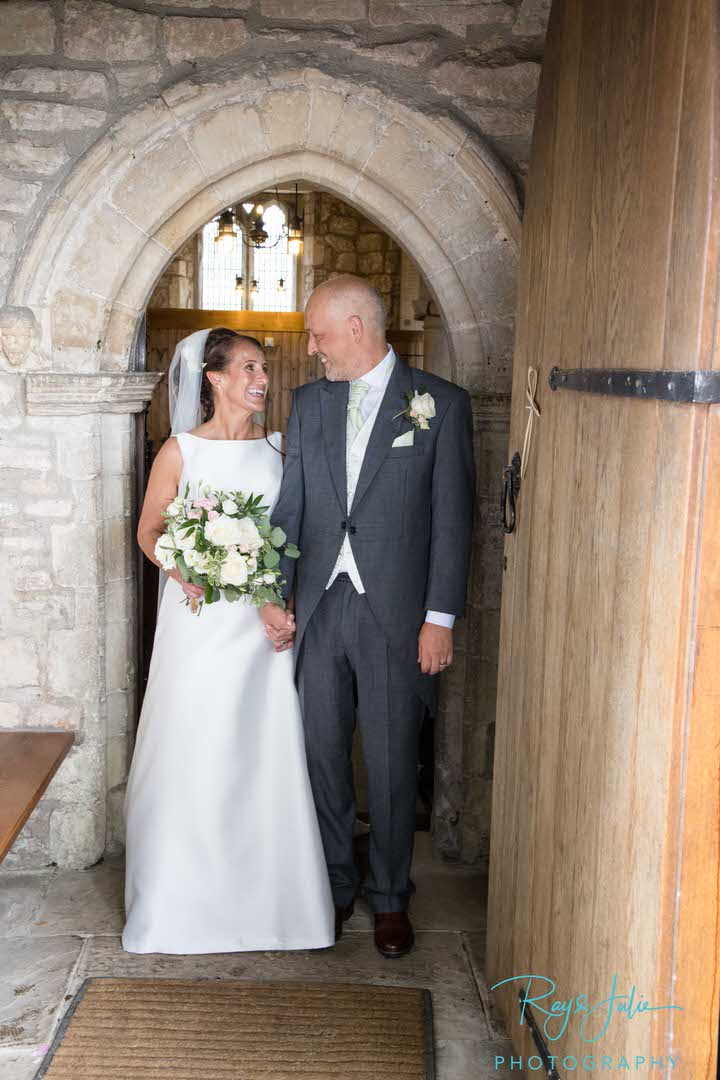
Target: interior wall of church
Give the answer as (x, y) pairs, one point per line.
(69, 71)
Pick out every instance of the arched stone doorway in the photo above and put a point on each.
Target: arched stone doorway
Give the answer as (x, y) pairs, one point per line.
(87, 273)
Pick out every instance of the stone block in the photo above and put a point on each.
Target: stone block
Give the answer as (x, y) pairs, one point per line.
(117, 443)
(49, 715)
(229, 5)
(200, 38)
(452, 15)
(23, 156)
(372, 263)
(405, 53)
(285, 116)
(77, 836)
(135, 193)
(532, 19)
(500, 121)
(43, 611)
(416, 170)
(119, 755)
(130, 80)
(325, 110)
(17, 196)
(49, 508)
(11, 715)
(370, 241)
(95, 30)
(314, 11)
(225, 139)
(343, 224)
(28, 28)
(119, 544)
(50, 117)
(74, 664)
(74, 318)
(120, 711)
(31, 458)
(514, 84)
(381, 282)
(79, 85)
(346, 262)
(357, 132)
(8, 239)
(117, 495)
(75, 555)
(339, 243)
(35, 977)
(95, 265)
(19, 664)
(120, 656)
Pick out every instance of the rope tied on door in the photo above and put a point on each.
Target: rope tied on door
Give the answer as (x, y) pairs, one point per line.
(532, 379)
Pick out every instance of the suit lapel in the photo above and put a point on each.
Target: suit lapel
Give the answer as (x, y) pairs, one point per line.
(386, 428)
(333, 405)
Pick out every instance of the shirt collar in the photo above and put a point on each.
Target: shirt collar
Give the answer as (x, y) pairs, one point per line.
(381, 372)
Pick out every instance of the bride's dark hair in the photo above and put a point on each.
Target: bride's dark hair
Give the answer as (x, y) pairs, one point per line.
(219, 354)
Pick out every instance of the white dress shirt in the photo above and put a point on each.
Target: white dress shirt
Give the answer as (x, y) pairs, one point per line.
(377, 379)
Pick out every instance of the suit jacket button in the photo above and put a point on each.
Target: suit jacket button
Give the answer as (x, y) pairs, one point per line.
(353, 529)
(343, 524)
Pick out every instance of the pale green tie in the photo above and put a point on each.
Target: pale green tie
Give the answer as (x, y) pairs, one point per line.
(358, 390)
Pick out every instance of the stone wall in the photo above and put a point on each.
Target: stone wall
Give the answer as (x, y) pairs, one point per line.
(340, 240)
(70, 68)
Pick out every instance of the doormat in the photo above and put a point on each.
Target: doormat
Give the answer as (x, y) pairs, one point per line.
(207, 1029)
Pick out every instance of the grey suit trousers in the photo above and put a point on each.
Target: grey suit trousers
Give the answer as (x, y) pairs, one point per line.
(344, 644)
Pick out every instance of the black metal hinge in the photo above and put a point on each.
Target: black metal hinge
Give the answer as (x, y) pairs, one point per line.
(690, 387)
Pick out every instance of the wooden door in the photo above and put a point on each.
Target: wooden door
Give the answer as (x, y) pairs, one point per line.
(605, 857)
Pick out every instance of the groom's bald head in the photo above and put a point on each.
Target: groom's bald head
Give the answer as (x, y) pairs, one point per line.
(345, 320)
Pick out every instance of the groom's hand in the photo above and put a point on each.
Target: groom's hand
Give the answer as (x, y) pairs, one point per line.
(435, 648)
(279, 626)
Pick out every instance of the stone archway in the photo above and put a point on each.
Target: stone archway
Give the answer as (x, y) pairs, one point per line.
(87, 273)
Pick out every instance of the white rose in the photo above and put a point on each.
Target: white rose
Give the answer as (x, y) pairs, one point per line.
(234, 570)
(223, 531)
(164, 548)
(249, 539)
(229, 507)
(423, 405)
(184, 539)
(194, 559)
(175, 507)
(268, 579)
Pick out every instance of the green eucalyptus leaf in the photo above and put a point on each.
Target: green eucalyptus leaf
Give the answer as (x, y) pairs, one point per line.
(277, 537)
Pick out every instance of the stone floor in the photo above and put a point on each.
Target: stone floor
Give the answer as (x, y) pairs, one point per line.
(59, 926)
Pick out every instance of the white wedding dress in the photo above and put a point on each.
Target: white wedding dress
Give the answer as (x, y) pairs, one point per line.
(223, 848)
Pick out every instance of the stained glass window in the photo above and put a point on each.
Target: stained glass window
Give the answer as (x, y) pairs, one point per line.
(220, 265)
(268, 265)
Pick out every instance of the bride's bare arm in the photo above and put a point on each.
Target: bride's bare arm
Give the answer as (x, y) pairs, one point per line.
(162, 488)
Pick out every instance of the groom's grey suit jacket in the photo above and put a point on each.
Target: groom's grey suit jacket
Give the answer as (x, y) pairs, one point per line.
(410, 523)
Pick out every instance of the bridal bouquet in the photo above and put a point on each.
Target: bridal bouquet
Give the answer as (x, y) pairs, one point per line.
(224, 542)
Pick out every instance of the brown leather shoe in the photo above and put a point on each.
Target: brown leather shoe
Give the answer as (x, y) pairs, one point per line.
(342, 914)
(394, 935)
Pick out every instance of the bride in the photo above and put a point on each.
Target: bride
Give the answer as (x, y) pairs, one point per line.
(223, 848)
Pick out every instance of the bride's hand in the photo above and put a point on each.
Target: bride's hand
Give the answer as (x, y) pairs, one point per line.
(279, 626)
(194, 592)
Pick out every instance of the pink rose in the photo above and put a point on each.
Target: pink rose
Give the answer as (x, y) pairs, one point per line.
(196, 514)
(212, 514)
(413, 414)
(205, 504)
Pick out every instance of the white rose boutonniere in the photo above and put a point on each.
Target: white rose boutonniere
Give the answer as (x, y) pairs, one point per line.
(421, 408)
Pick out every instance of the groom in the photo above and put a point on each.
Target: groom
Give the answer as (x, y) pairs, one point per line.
(380, 503)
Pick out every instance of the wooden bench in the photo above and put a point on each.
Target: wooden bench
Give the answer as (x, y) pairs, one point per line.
(28, 762)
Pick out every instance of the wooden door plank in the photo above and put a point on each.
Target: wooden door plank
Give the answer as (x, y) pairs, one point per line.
(593, 820)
